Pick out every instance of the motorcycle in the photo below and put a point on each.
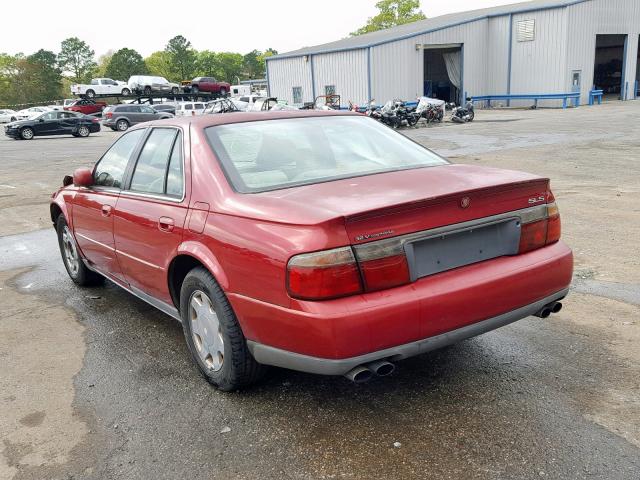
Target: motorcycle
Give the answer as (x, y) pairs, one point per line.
(395, 114)
(431, 110)
(463, 114)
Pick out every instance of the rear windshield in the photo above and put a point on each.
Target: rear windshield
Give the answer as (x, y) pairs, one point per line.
(273, 154)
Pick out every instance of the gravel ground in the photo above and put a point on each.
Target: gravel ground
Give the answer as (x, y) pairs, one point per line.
(96, 384)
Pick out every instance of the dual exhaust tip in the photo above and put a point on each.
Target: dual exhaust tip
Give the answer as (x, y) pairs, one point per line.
(364, 373)
(547, 310)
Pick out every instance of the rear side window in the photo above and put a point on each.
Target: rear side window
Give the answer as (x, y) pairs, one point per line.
(159, 166)
(109, 171)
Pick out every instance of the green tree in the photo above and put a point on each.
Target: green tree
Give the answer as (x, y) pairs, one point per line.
(76, 57)
(45, 75)
(392, 13)
(182, 58)
(158, 63)
(253, 64)
(208, 64)
(125, 63)
(230, 65)
(103, 63)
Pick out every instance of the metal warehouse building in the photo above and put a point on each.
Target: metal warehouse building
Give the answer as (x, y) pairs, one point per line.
(538, 47)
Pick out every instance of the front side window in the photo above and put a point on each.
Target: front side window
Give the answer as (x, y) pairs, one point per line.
(159, 166)
(274, 154)
(49, 116)
(109, 172)
(146, 109)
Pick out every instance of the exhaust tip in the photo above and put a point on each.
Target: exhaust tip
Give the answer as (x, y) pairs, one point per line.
(382, 368)
(359, 375)
(545, 313)
(556, 307)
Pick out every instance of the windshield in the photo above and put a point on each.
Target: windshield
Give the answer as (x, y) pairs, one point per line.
(273, 154)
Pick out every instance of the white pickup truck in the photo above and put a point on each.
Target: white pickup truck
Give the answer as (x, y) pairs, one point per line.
(101, 86)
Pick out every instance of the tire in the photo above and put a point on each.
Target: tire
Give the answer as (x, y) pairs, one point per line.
(175, 91)
(27, 133)
(75, 135)
(472, 115)
(90, 93)
(77, 270)
(122, 125)
(126, 92)
(223, 92)
(83, 131)
(114, 129)
(147, 90)
(195, 90)
(13, 119)
(223, 359)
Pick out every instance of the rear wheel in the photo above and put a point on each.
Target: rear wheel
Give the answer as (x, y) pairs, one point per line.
(26, 133)
(90, 93)
(122, 125)
(213, 334)
(147, 90)
(76, 268)
(126, 92)
(83, 131)
(195, 89)
(223, 92)
(175, 90)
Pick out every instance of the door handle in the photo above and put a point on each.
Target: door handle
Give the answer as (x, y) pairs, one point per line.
(106, 210)
(165, 224)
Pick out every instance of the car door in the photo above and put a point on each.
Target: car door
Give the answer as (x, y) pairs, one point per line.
(93, 207)
(68, 122)
(147, 113)
(47, 124)
(151, 212)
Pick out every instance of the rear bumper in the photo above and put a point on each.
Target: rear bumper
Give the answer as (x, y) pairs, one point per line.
(323, 366)
(356, 326)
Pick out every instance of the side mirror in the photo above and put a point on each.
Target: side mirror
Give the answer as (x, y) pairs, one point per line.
(83, 177)
(41, 120)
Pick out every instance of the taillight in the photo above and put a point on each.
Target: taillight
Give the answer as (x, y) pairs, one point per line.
(108, 114)
(541, 232)
(323, 275)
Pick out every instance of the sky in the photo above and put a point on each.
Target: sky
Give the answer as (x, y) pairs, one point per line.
(235, 26)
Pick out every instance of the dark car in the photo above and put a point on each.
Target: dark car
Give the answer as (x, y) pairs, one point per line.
(209, 85)
(53, 123)
(121, 117)
(165, 107)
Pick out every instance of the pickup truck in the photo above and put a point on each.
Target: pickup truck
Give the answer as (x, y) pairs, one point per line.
(86, 106)
(210, 85)
(101, 86)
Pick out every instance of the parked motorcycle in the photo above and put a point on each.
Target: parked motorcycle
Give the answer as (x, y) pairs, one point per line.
(463, 114)
(395, 114)
(431, 110)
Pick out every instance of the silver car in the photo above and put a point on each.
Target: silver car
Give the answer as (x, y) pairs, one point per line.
(121, 117)
(147, 84)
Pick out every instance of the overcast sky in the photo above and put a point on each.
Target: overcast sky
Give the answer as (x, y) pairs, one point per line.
(237, 26)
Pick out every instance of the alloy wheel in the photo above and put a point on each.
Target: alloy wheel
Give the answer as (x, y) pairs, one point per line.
(71, 257)
(83, 131)
(206, 331)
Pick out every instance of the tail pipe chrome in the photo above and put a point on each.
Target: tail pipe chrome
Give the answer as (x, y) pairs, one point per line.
(547, 310)
(364, 373)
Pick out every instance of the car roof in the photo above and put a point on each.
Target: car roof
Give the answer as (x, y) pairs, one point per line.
(204, 121)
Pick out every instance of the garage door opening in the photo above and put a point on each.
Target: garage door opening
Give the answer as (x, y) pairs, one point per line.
(609, 66)
(443, 72)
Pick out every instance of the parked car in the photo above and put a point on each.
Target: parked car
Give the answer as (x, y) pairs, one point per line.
(67, 102)
(190, 108)
(317, 241)
(53, 123)
(146, 84)
(101, 86)
(209, 85)
(225, 105)
(30, 112)
(121, 117)
(7, 115)
(87, 106)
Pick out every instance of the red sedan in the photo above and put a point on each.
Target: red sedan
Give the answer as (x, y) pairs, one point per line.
(317, 241)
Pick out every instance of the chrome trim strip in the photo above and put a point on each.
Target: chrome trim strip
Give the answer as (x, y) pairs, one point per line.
(395, 245)
(139, 260)
(323, 366)
(95, 241)
(131, 193)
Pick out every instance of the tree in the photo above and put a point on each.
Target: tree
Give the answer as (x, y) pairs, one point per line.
(125, 63)
(208, 64)
(253, 64)
(159, 64)
(45, 75)
(76, 57)
(182, 58)
(230, 65)
(392, 13)
(103, 63)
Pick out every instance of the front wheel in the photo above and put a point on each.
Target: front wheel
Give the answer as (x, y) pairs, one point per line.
(175, 90)
(126, 92)
(83, 131)
(195, 90)
(223, 92)
(147, 90)
(122, 125)
(26, 133)
(214, 337)
(90, 93)
(74, 265)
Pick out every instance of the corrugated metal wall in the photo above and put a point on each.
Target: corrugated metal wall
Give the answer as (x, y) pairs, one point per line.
(397, 68)
(347, 71)
(564, 41)
(286, 73)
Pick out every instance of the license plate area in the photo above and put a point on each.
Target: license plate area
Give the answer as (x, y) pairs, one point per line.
(449, 250)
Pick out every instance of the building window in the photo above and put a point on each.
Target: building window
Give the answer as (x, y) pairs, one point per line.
(526, 30)
(297, 94)
(329, 89)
